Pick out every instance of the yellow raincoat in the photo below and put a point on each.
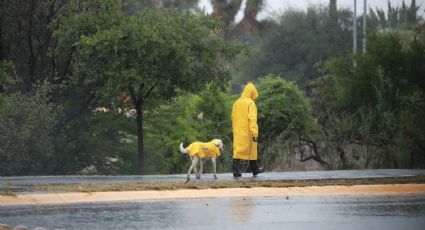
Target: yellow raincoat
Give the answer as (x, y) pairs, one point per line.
(204, 149)
(244, 124)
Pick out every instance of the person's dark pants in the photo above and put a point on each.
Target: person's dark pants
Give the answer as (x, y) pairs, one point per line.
(254, 168)
(252, 165)
(236, 168)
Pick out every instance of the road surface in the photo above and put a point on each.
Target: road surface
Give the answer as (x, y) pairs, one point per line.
(323, 212)
(366, 211)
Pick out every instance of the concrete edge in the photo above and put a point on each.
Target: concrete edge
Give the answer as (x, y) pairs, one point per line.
(80, 197)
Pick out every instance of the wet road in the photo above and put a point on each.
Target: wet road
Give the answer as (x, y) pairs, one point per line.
(333, 174)
(337, 212)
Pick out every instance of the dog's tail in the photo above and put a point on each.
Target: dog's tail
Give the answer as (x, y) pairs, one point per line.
(182, 149)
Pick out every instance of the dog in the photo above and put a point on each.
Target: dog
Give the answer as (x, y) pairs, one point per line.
(199, 150)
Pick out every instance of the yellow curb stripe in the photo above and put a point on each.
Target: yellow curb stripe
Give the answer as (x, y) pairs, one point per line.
(78, 197)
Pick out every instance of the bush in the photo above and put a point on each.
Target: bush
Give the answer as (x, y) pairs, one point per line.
(380, 102)
(284, 117)
(26, 127)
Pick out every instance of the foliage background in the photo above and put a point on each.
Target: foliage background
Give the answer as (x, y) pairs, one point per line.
(320, 106)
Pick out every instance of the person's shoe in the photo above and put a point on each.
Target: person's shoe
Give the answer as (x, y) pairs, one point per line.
(237, 175)
(259, 170)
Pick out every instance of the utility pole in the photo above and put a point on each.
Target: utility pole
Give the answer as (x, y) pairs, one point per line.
(364, 25)
(355, 27)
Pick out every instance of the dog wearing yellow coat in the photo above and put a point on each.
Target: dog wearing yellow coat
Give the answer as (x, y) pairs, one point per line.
(197, 151)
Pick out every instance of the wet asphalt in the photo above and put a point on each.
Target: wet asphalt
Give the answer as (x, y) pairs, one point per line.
(326, 212)
(298, 212)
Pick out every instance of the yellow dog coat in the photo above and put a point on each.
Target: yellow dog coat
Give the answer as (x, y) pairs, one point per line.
(204, 149)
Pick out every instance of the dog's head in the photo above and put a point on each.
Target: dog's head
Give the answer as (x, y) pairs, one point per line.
(219, 143)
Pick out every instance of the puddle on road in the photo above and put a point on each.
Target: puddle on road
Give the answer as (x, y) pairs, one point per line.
(379, 212)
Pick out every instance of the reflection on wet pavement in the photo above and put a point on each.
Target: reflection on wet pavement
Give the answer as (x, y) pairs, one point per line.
(241, 210)
(337, 212)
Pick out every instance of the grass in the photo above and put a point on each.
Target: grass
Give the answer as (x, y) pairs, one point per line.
(200, 184)
(5, 190)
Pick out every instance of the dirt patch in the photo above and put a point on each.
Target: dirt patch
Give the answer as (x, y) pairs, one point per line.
(200, 185)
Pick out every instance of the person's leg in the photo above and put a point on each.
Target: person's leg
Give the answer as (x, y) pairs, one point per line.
(236, 168)
(254, 167)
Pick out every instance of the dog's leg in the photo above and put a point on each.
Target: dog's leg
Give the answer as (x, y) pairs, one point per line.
(195, 168)
(198, 176)
(214, 166)
(193, 165)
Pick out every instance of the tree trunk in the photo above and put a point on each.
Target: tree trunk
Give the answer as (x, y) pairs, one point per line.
(333, 11)
(226, 11)
(342, 157)
(1, 38)
(140, 145)
(412, 159)
(31, 56)
(139, 101)
(394, 161)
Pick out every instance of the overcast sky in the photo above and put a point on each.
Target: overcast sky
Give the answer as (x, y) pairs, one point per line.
(274, 7)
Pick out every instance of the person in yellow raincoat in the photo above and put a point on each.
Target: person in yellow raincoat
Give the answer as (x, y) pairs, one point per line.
(245, 131)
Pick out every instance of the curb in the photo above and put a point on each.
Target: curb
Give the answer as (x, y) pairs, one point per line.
(86, 197)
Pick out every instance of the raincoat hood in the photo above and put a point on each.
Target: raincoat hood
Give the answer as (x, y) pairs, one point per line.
(250, 91)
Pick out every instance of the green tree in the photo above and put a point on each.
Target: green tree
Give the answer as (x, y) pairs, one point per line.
(377, 102)
(396, 18)
(166, 127)
(216, 108)
(300, 40)
(38, 40)
(284, 116)
(194, 118)
(6, 78)
(26, 128)
(98, 142)
(132, 6)
(83, 138)
(151, 55)
(26, 35)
